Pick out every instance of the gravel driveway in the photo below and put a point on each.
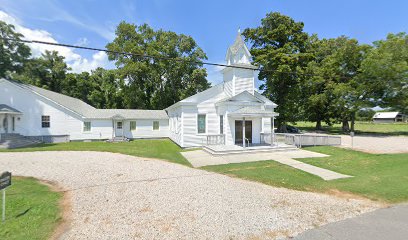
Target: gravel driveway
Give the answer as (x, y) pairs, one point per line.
(124, 197)
(377, 144)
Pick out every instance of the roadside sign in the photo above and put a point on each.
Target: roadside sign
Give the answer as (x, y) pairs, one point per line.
(5, 181)
(351, 134)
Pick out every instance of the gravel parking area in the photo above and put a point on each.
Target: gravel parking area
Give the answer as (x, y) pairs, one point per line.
(377, 144)
(116, 196)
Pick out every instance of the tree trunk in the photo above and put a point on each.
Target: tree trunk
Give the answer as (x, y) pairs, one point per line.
(318, 125)
(345, 126)
(353, 117)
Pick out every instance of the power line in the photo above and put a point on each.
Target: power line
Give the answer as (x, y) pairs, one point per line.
(152, 56)
(130, 54)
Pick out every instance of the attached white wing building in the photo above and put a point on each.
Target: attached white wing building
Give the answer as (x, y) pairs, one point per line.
(229, 113)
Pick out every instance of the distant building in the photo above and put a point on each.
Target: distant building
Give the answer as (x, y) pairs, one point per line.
(389, 117)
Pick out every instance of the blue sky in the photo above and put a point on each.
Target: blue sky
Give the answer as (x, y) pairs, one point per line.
(213, 24)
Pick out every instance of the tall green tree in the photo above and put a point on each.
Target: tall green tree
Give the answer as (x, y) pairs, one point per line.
(107, 89)
(13, 54)
(156, 83)
(48, 71)
(279, 48)
(333, 90)
(386, 71)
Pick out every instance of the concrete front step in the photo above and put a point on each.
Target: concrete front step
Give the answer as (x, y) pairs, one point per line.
(9, 141)
(249, 150)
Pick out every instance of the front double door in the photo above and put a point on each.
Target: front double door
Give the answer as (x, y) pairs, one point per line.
(239, 131)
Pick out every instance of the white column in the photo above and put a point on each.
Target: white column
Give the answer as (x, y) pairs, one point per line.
(243, 132)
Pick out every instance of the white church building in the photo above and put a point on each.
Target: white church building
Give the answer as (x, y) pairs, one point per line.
(230, 113)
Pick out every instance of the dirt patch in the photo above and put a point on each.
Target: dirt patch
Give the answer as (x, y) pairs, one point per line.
(65, 209)
(349, 195)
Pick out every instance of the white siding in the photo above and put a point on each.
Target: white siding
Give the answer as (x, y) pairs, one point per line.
(144, 129)
(207, 106)
(63, 122)
(243, 81)
(175, 125)
(228, 82)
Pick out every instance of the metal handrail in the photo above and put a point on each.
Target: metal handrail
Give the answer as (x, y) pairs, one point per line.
(247, 141)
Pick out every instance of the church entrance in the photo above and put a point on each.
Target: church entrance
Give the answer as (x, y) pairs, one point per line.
(239, 132)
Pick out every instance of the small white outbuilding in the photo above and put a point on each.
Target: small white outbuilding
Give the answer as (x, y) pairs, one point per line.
(388, 117)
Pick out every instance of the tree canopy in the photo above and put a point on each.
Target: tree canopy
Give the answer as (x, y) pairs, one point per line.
(138, 82)
(279, 48)
(159, 81)
(327, 80)
(13, 54)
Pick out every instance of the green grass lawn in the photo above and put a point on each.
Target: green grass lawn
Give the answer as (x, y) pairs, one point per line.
(382, 177)
(32, 210)
(360, 128)
(156, 148)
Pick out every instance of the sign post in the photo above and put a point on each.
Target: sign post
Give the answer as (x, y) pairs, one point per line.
(352, 139)
(5, 181)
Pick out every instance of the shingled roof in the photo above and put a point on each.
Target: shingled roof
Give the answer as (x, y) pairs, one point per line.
(87, 111)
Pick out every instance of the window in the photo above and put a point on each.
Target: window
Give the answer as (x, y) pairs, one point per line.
(221, 124)
(87, 126)
(132, 125)
(45, 121)
(156, 125)
(201, 123)
(119, 125)
(13, 123)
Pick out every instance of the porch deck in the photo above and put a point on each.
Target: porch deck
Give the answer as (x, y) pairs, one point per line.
(255, 148)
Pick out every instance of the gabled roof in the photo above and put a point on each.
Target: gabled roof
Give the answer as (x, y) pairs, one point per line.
(237, 45)
(386, 115)
(127, 114)
(73, 104)
(238, 98)
(7, 109)
(194, 99)
(265, 99)
(87, 111)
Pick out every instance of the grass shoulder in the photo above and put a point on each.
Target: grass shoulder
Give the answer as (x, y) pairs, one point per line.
(151, 148)
(33, 210)
(380, 177)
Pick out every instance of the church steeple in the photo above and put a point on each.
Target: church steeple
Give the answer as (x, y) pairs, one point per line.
(238, 52)
(237, 80)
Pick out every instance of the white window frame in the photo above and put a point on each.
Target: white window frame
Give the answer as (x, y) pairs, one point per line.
(49, 121)
(205, 126)
(83, 127)
(158, 122)
(121, 125)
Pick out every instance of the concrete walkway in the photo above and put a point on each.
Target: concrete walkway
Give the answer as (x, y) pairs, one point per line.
(201, 158)
(388, 223)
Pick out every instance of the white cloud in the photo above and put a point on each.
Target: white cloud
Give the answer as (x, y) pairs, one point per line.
(74, 60)
(99, 59)
(82, 42)
(37, 9)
